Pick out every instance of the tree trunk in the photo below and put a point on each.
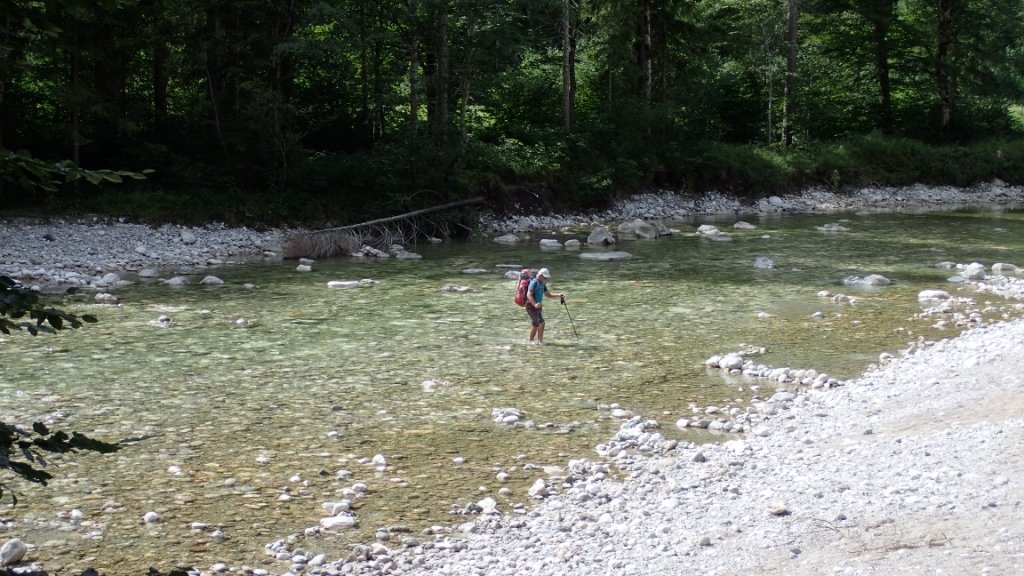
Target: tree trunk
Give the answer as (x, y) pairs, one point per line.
(109, 80)
(441, 79)
(568, 68)
(364, 74)
(282, 87)
(3, 113)
(643, 48)
(789, 102)
(284, 75)
(465, 79)
(161, 79)
(882, 22)
(213, 63)
(944, 63)
(414, 98)
(381, 23)
(75, 90)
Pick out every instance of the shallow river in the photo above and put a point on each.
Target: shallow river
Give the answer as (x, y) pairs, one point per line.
(244, 428)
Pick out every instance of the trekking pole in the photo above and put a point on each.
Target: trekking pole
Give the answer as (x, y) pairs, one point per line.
(573, 324)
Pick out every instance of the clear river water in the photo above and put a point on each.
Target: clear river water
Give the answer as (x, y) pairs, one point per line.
(235, 432)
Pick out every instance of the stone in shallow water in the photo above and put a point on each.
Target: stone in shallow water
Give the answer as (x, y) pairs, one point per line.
(507, 239)
(12, 552)
(605, 256)
(342, 521)
(925, 295)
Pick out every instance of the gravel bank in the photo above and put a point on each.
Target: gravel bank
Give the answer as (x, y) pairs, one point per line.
(83, 253)
(669, 207)
(913, 468)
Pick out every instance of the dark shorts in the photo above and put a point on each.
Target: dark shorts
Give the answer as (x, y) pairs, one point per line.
(536, 315)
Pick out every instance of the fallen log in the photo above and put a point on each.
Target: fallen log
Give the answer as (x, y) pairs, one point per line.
(380, 233)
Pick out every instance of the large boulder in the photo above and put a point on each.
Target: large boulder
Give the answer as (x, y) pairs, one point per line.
(637, 229)
(708, 230)
(507, 239)
(974, 271)
(600, 236)
(1004, 268)
(12, 552)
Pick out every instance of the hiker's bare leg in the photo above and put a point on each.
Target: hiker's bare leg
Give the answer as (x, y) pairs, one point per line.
(540, 333)
(533, 333)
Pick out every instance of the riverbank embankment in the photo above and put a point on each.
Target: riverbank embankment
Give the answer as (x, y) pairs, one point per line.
(99, 254)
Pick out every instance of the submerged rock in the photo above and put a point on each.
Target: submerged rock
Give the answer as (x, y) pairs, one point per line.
(605, 256)
(869, 280)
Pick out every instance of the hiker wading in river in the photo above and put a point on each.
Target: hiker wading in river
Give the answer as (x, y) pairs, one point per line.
(535, 294)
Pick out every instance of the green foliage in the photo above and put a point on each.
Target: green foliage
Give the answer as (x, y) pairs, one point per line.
(23, 452)
(29, 175)
(1017, 117)
(742, 170)
(344, 110)
(17, 302)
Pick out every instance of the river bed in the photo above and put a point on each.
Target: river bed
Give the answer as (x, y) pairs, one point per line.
(253, 406)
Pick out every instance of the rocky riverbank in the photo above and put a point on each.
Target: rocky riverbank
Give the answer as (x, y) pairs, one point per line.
(669, 208)
(87, 252)
(913, 468)
(84, 253)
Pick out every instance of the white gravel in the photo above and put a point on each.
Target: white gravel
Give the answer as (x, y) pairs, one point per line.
(914, 468)
(670, 207)
(81, 253)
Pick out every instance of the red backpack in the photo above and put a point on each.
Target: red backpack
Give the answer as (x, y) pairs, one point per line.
(524, 283)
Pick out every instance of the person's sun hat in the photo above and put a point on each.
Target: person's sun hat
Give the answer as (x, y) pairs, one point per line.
(544, 272)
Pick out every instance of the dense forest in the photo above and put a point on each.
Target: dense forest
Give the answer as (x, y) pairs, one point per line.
(341, 110)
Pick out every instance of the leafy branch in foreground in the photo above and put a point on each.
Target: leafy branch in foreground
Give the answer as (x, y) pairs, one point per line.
(17, 302)
(23, 452)
(27, 172)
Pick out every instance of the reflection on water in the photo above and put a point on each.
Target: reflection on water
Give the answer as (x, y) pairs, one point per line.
(238, 430)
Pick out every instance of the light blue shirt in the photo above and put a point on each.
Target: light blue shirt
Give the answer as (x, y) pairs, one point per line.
(538, 288)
